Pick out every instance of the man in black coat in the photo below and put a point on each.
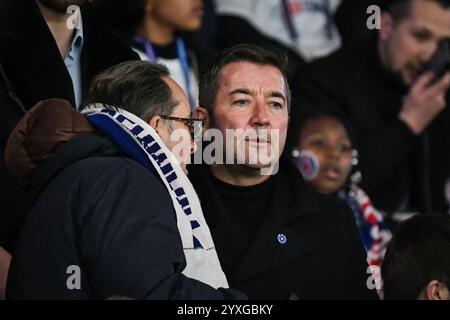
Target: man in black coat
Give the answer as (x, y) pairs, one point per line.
(397, 111)
(275, 238)
(42, 58)
(36, 38)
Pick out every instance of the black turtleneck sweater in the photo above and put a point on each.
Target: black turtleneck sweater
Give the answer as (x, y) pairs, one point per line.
(400, 171)
(247, 206)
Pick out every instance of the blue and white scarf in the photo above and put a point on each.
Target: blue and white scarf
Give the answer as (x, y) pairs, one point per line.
(139, 141)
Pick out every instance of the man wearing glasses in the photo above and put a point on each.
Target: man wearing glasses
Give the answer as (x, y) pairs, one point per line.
(111, 206)
(195, 127)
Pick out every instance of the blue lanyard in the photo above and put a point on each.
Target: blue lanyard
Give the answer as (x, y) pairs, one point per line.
(288, 19)
(329, 17)
(293, 32)
(182, 57)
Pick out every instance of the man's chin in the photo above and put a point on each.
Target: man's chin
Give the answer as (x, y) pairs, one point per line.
(261, 169)
(407, 80)
(409, 77)
(258, 165)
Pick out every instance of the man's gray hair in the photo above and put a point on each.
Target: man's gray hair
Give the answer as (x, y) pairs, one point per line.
(135, 86)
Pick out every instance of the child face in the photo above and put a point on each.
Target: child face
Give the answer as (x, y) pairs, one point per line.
(328, 140)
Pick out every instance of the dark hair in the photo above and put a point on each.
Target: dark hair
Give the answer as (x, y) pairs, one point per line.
(135, 86)
(125, 16)
(209, 84)
(309, 114)
(400, 9)
(418, 253)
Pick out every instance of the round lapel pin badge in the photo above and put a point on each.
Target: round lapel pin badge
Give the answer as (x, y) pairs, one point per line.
(282, 238)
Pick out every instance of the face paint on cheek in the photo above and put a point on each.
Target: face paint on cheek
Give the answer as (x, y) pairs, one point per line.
(308, 165)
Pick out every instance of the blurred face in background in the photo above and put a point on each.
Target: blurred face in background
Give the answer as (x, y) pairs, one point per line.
(60, 6)
(327, 139)
(183, 15)
(407, 44)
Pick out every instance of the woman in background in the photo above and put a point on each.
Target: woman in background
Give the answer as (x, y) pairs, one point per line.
(323, 151)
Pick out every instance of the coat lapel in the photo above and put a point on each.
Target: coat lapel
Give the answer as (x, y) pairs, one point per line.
(276, 243)
(266, 252)
(241, 259)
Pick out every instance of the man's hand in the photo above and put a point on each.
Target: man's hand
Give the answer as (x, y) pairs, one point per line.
(424, 102)
(5, 260)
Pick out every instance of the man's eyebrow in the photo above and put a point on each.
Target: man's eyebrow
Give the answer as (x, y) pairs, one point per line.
(424, 31)
(242, 91)
(276, 94)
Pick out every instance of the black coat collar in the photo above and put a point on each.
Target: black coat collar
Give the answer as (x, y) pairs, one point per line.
(242, 259)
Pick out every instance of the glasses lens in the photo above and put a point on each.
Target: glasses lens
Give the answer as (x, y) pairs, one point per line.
(196, 130)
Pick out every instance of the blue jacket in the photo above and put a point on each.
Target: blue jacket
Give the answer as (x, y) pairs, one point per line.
(99, 225)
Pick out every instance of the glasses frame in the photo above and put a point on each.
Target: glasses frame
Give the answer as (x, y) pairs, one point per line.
(190, 123)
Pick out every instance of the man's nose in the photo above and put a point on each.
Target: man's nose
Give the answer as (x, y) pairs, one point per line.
(333, 151)
(193, 146)
(260, 115)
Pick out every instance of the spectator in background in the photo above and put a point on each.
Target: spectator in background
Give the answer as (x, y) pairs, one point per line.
(322, 147)
(417, 261)
(154, 30)
(275, 238)
(46, 53)
(396, 109)
(304, 28)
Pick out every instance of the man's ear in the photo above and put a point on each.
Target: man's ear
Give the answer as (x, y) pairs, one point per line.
(202, 113)
(436, 290)
(154, 122)
(386, 25)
